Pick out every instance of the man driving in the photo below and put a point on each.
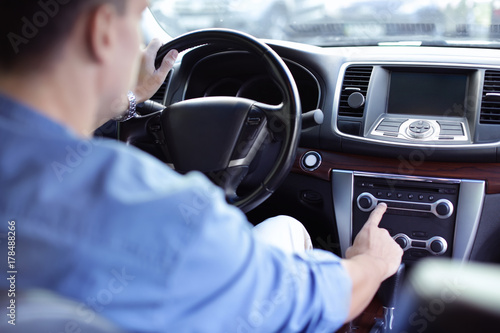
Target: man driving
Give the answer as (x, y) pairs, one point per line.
(119, 232)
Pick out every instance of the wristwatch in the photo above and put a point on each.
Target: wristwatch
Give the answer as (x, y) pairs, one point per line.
(131, 111)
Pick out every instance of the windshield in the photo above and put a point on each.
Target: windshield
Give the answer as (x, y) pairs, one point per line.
(336, 22)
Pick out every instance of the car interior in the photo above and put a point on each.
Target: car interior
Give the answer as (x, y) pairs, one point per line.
(323, 133)
(412, 126)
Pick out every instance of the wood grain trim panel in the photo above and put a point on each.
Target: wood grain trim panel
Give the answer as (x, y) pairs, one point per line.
(490, 172)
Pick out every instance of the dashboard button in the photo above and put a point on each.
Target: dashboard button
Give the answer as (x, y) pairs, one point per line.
(311, 161)
(437, 246)
(365, 202)
(402, 242)
(419, 129)
(444, 209)
(418, 253)
(419, 234)
(420, 244)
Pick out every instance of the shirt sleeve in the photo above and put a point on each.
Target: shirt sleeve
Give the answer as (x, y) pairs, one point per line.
(161, 252)
(227, 281)
(129, 239)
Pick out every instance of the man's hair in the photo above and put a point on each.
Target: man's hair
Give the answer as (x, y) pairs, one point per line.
(31, 29)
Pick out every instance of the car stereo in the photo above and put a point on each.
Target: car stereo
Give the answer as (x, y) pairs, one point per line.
(420, 215)
(426, 216)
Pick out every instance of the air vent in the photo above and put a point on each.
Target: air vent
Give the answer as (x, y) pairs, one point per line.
(159, 96)
(355, 87)
(490, 105)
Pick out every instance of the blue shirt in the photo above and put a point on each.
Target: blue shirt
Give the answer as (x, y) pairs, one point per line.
(130, 239)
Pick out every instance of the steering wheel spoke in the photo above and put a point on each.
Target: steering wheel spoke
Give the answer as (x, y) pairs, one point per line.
(277, 119)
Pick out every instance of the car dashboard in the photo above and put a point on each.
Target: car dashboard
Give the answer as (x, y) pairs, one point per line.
(415, 127)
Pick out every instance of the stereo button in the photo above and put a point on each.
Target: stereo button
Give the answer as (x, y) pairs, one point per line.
(437, 246)
(420, 244)
(402, 242)
(365, 202)
(443, 209)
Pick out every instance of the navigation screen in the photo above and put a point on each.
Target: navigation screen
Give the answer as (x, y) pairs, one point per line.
(431, 94)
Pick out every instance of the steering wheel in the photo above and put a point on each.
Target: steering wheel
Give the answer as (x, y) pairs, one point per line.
(220, 136)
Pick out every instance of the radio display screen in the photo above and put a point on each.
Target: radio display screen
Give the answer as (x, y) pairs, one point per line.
(428, 94)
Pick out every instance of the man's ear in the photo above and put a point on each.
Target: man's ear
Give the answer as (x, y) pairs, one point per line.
(102, 32)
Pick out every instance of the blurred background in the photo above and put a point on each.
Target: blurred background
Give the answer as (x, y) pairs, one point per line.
(327, 22)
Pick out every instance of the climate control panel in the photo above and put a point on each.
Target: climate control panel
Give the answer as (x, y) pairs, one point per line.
(436, 245)
(420, 212)
(442, 208)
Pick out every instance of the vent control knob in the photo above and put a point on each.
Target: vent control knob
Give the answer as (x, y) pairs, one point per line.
(356, 100)
(403, 240)
(437, 245)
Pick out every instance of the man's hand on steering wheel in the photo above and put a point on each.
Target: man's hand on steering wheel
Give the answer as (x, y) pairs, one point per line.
(221, 135)
(150, 79)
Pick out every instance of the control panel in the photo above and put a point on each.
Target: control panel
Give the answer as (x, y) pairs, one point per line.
(442, 208)
(420, 214)
(421, 129)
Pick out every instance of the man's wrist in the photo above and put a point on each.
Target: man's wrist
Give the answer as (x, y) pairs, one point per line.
(132, 108)
(376, 267)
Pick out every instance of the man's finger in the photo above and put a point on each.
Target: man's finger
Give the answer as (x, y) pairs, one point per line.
(376, 215)
(168, 62)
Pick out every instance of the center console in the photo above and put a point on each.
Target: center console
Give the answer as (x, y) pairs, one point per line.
(425, 216)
